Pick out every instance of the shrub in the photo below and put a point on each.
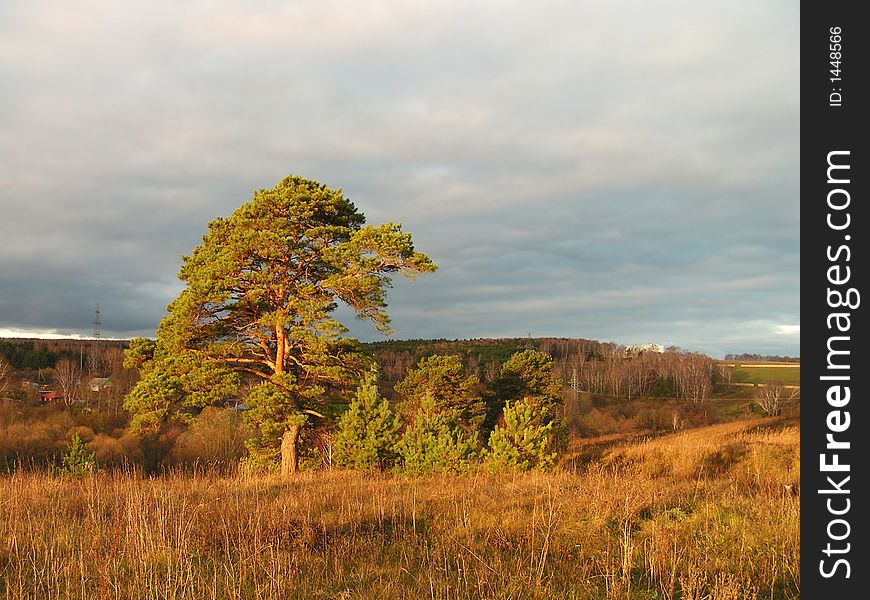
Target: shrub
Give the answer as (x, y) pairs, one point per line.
(216, 438)
(528, 439)
(601, 422)
(76, 461)
(368, 432)
(262, 460)
(107, 450)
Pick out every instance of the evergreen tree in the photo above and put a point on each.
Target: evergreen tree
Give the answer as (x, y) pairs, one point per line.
(526, 376)
(529, 439)
(521, 414)
(77, 461)
(441, 380)
(368, 432)
(436, 443)
(261, 291)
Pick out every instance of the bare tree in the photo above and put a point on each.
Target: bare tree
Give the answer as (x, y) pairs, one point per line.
(693, 377)
(771, 397)
(327, 445)
(724, 374)
(122, 379)
(113, 359)
(68, 376)
(94, 360)
(5, 370)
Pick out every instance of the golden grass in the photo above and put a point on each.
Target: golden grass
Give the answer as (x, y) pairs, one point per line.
(687, 516)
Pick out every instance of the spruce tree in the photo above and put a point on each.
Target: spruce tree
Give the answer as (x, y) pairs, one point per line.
(368, 432)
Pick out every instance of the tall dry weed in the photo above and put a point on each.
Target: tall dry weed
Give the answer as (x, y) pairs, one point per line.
(617, 529)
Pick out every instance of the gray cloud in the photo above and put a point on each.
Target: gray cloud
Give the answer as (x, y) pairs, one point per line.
(618, 170)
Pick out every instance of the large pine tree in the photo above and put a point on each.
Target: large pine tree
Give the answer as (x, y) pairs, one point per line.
(261, 292)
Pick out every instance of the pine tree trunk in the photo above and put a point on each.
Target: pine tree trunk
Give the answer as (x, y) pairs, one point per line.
(289, 456)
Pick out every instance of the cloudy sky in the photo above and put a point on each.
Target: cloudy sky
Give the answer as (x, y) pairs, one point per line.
(617, 170)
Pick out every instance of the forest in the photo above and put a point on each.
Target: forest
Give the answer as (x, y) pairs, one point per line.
(600, 389)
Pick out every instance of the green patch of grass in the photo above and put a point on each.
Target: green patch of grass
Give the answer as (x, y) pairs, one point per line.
(790, 375)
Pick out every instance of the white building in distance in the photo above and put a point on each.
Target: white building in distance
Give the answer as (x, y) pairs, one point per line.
(638, 349)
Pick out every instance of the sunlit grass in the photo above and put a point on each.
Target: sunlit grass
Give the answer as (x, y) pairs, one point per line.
(708, 513)
(788, 374)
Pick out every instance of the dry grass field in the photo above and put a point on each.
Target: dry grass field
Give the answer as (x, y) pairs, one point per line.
(710, 513)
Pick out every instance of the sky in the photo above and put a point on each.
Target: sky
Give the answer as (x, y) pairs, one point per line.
(619, 170)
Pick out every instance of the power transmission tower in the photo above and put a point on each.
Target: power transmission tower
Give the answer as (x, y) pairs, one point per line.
(93, 356)
(575, 387)
(97, 322)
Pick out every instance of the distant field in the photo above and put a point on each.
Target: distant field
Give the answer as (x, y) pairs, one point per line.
(787, 373)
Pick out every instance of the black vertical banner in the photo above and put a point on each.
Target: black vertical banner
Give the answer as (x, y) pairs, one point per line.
(835, 421)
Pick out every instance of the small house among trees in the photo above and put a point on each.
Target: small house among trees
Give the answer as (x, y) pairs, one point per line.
(50, 395)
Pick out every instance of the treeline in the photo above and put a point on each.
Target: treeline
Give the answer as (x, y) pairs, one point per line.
(672, 374)
(29, 354)
(33, 354)
(762, 358)
(446, 421)
(595, 367)
(432, 398)
(482, 357)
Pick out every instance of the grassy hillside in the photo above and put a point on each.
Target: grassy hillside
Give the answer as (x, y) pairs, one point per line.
(707, 513)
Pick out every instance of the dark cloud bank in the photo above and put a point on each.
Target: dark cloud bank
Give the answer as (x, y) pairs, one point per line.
(622, 171)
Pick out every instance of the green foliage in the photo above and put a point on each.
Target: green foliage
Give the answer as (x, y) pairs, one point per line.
(25, 354)
(272, 410)
(174, 386)
(150, 401)
(77, 461)
(479, 350)
(140, 354)
(262, 459)
(526, 376)
(368, 432)
(663, 387)
(261, 290)
(528, 440)
(436, 443)
(312, 458)
(442, 380)
(531, 372)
